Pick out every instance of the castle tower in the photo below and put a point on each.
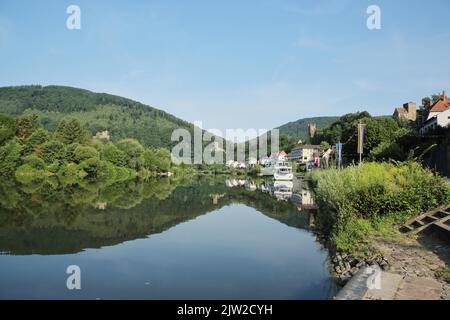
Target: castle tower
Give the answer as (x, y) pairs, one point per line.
(411, 110)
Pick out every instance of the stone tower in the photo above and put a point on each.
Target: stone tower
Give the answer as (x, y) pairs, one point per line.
(411, 110)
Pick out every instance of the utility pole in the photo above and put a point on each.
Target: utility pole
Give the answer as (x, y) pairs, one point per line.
(360, 140)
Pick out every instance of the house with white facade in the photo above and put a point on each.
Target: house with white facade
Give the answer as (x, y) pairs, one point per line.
(304, 153)
(277, 157)
(438, 116)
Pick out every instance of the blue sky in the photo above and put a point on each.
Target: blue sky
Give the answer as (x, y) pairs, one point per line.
(233, 64)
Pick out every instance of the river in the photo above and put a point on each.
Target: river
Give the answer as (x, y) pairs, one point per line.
(201, 238)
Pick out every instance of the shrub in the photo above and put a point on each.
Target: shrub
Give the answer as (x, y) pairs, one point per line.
(373, 191)
(34, 162)
(112, 154)
(53, 150)
(10, 155)
(82, 153)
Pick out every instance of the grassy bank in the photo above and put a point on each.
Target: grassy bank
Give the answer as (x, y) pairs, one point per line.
(360, 203)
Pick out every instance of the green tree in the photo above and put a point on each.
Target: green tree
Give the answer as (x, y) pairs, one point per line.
(10, 155)
(37, 138)
(53, 150)
(8, 127)
(324, 146)
(95, 169)
(133, 152)
(26, 125)
(157, 160)
(34, 162)
(71, 131)
(163, 160)
(82, 153)
(113, 154)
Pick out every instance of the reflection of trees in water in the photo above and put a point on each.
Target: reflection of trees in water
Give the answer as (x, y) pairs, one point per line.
(44, 217)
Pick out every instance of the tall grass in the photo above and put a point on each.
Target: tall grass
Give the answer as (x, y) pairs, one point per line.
(354, 203)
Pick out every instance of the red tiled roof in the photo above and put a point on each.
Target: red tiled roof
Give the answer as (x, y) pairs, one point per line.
(401, 110)
(440, 106)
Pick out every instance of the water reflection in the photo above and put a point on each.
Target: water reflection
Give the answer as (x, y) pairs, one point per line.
(193, 238)
(289, 191)
(48, 218)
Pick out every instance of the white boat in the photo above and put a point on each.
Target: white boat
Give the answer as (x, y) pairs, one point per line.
(283, 171)
(283, 190)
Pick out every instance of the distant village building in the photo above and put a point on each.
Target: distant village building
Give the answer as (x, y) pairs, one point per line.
(278, 156)
(101, 205)
(102, 135)
(441, 105)
(407, 112)
(439, 115)
(265, 161)
(304, 153)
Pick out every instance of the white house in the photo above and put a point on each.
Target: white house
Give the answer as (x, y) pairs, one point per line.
(304, 153)
(440, 106)
(278, 156)
(439, 114)
(440, 119)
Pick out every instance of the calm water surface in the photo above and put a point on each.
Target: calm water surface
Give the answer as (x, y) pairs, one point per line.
(161, 240)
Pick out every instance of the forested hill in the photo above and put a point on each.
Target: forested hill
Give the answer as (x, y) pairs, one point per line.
(123, 118)
(299, 129)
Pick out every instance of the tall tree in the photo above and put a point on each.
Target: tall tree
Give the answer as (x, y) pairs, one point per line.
(71, 131)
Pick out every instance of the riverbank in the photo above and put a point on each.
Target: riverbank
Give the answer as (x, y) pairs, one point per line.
(418, 270)
(361, 209)
(421, 264)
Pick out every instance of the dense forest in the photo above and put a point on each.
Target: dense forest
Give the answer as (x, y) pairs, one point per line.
(299, 129)
(123, 118)
(30, 152)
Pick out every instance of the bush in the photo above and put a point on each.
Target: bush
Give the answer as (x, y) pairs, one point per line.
(34, 162)
(82, 153)
(53, 150)
(373, 191)
(10, 155)
(112, 154)
(133, 152)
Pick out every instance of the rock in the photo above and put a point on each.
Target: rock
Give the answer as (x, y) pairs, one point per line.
(338, 269)
(385, 267)
(353, 262)
(347, 266)
(361, 264)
